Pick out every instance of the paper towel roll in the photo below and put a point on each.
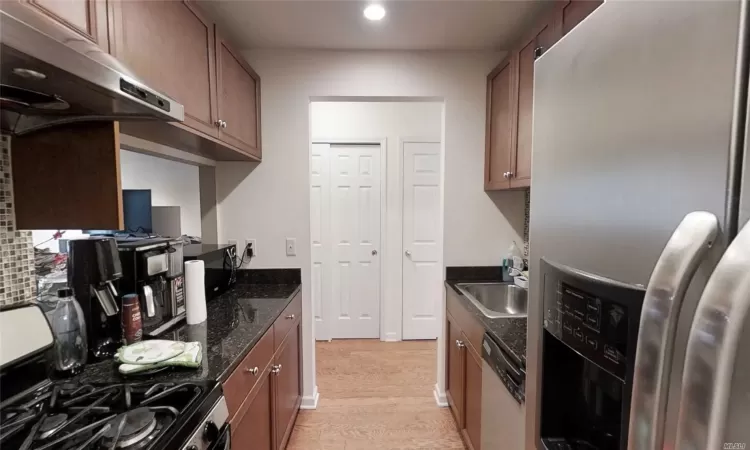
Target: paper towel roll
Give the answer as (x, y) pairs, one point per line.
(195, 292)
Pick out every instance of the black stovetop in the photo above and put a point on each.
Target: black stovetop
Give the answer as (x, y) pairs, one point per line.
(129, 416)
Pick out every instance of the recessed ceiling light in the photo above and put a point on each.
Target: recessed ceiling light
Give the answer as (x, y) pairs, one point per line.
(374, 12)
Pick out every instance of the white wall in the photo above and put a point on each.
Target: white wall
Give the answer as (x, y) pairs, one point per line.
(172, 184)
(391, 121)
(273, 202)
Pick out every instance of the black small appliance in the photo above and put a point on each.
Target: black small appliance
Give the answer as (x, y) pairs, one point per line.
(220, 262)
(93, 266)
(145, 265)
(589, 338)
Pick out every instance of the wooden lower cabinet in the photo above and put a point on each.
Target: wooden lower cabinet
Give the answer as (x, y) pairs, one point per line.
(454, 386)
(254, 430)
(265, 418)
(464, 383)
(473, 403)
(288, 392)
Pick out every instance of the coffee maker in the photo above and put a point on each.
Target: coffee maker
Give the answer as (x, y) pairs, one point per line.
(93, 266)
(145, 268)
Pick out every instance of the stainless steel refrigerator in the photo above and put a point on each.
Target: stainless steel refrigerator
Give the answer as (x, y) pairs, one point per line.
(640, 120)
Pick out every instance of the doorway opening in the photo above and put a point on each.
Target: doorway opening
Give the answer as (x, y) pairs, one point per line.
(376, 219)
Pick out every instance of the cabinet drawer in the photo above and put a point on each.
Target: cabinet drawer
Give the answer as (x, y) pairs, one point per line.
(287, 320)
(240, 383)
(465, 321)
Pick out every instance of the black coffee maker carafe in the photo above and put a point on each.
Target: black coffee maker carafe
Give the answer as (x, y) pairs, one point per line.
(93, 264)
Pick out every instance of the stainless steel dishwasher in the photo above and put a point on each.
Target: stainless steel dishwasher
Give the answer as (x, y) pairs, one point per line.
(502, 399)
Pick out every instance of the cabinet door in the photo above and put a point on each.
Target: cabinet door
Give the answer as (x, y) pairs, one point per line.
(473, 402)
(575, 11)
(239, 99)
(254, 430)
(288, 392)
(521, 165)
(501, 119)
(454, 363)
(86, 17)
(170, 46)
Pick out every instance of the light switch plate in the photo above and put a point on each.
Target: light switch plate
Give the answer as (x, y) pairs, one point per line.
(291, 247)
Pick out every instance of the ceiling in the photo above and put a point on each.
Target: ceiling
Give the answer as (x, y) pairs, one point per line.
(408, 25)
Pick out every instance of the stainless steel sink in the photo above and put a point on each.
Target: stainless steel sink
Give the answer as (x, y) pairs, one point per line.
(496, 300)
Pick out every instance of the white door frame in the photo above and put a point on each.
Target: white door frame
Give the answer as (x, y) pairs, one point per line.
(401, 142)
(325, 331)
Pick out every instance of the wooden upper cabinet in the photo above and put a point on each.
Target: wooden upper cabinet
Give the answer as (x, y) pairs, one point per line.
(574, 11)
(501, 121)
(170, 46)
(86, 17)
(239, 99)
(540, 41)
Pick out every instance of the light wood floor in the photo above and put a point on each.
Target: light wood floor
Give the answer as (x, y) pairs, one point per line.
(375, 395)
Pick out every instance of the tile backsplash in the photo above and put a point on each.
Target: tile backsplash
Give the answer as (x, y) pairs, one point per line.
(17, 279)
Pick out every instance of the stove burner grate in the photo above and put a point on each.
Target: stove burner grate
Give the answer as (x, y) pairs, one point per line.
(130, 428)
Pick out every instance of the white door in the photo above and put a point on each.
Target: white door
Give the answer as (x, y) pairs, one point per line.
(421, 240)
(355, 241)
(320, 211)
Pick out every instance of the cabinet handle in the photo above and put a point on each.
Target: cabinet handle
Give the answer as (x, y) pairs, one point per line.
(510, 174)
(276, 369)
(218, 123)
(253, 371)
(290, 316)
(538, 52)
(460, 344)
(224, 125)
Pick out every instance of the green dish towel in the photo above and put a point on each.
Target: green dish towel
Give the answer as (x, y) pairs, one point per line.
(191, 358)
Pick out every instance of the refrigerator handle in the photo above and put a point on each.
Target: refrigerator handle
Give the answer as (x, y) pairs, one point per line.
(712, 355)
(686, 249)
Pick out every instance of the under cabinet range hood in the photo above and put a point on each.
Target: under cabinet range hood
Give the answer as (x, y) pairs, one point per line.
(50, 77)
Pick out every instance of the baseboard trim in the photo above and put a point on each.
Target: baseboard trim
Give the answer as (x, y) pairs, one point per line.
(311, 401)
(440, 398)
(391, 337)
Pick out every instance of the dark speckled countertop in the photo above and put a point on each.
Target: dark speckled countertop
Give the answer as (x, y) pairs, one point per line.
(509, 333)
(236, 321)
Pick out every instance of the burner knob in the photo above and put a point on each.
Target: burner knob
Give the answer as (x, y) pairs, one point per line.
(210, 431)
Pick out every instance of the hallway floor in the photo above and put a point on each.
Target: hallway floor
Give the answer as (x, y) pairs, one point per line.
(375, 395)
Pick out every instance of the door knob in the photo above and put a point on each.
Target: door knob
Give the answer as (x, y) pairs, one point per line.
(460, 344)
(505, 174)
(253, 371)
(218, 123)
(276, 369)
(223, 124)
(374, 252)
(290, 317)
(407, 253)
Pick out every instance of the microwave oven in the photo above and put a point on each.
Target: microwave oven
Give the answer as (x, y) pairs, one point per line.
(220, 262)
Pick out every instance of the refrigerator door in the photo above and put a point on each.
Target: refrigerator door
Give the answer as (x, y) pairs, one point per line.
(632, 130)
(714, 410)
(684, 252)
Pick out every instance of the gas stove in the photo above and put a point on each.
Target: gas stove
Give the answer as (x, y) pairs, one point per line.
(39, 414)
(140, 416)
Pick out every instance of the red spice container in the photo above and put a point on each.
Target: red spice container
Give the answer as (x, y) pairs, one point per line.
(132, 324)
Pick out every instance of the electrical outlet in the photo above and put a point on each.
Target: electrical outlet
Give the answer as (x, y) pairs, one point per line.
(251, 244)
(291, 247)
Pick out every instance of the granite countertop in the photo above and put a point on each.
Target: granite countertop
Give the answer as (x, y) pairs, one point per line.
(236, 320)
(509, 333)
